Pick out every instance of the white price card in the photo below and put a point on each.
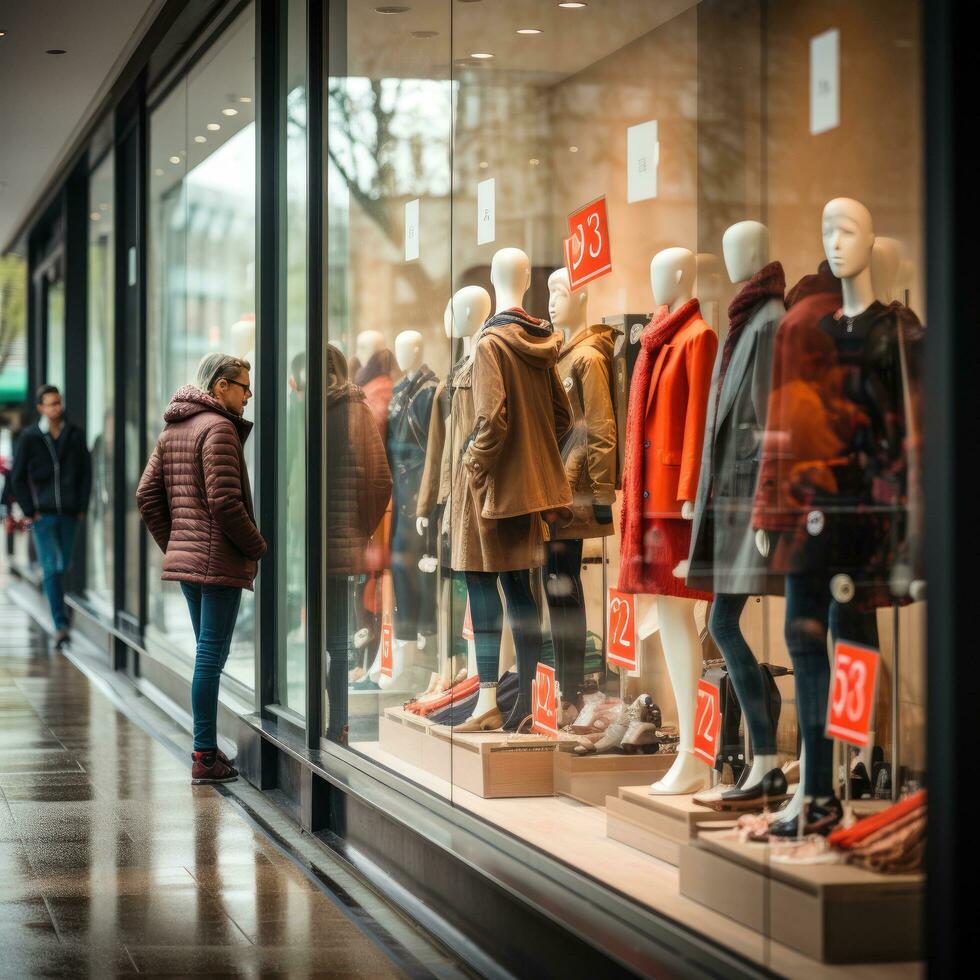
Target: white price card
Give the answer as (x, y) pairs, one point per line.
(642, 160)
(486, 219)
(411, 230)
(825, 81)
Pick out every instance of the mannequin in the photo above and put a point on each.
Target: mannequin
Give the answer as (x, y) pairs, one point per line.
(837, 563)
(408, 423)
(466, 312)
(723, 554)
(660, 486)
(590, 458)
(510, 482)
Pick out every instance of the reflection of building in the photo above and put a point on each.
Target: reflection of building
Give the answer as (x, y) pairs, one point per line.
(226, 230)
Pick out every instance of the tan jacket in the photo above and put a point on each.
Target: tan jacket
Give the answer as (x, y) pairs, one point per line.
(510, 471)
(589, 452)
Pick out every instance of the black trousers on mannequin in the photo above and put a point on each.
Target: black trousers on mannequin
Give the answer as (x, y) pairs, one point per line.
(566, 607)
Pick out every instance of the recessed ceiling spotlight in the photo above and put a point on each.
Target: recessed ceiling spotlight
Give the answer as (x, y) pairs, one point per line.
(534, 161)
(229, 112)
(95, 216)
(200, 139)
(175, 159)
(424, 35)
(245, 99)
(3, 33)
(529, 30)
(484, 164)
(573, 149)
(56, 51)
(391, 10)
(569, 5)
(481, 55)
(158, 172)
(214, 127)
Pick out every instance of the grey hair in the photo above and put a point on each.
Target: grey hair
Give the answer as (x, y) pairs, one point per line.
(214, 367)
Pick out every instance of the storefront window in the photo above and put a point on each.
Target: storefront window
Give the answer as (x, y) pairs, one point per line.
(293, 400)
(201, 289)
(622, 458)
(99, 425)
(54, 300)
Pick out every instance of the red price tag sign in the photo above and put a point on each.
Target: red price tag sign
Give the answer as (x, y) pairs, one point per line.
(544, 700)
(468, 633)
(387, 657)
(707, 722)
(622, 630)
(587, 255)
(853, 693)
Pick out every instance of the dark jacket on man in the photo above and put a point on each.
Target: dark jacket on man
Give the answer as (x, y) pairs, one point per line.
(52, 476)
(195, 498)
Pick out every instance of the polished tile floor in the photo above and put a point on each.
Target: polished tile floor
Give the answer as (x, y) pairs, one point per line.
(111, 863)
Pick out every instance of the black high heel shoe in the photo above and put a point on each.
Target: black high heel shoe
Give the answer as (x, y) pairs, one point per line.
(771, 788)
(820, 818)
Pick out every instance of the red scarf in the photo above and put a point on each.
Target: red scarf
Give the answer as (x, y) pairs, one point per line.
(661, 329)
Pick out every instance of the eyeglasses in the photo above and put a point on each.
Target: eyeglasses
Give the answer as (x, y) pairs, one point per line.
(241, 384)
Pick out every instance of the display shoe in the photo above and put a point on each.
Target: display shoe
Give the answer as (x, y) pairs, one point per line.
(641, 735)
(516, 716)
(585, 744)
(569, 712)
(590, 704)
(612, 737)
(770, 789)
(821, 817)
(489, 721)
(355, 675)
(860, 782)
(711, 794)
(791, 770)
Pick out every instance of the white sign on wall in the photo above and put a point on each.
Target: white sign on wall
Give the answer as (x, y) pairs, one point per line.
(486, 219)
(825, 81)
(411, 230)
(642, 160)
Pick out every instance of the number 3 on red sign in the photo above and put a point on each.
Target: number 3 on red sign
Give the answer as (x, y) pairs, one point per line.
(587, 254)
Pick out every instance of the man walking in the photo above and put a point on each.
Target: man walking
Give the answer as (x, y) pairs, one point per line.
(51, 480)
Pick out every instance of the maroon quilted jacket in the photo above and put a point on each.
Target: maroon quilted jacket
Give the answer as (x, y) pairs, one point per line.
(195, 498)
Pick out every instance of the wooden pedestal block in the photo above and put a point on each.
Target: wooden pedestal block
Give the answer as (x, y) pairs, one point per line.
(495, 765)
(657, 825)
(591, 778)
(403, 734)
(831, 912)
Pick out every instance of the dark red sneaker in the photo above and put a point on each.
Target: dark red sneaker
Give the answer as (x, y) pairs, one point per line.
(208, 768)
(223, 758)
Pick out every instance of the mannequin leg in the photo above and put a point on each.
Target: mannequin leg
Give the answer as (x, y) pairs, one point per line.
(682, 652)
(487, 613)
(566, 605)
(525, 625)
(337, 642)
(807, 612)
(795, 805)
(743, 668)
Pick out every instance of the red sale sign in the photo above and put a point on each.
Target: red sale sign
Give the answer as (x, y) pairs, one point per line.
(707, 722)
(587, 255)
(544, 701)
(622, 630)
(387, 657)
(853, 693)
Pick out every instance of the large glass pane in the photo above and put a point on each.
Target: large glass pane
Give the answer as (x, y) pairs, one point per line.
(54, 300)
(670, 475)
(100, 368)
(292, 449)
(202, 272)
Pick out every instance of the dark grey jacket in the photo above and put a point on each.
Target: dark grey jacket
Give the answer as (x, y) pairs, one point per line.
(723, 555)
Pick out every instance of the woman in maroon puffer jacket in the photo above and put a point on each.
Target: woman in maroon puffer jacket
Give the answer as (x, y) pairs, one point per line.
(195, 499)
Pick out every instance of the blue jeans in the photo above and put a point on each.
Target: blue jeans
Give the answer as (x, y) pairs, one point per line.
(214, 609)
(54, 541)
(810, 611)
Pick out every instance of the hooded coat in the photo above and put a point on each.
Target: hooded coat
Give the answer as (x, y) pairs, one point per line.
(195, 497)
(510, 470)
(358, 479)
(590, 451)
(374, 379)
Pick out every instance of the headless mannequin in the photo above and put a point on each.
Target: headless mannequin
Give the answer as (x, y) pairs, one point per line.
(746, 249)
(672, 273)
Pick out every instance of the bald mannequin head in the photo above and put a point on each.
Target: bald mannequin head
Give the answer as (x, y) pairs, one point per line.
(848, 236)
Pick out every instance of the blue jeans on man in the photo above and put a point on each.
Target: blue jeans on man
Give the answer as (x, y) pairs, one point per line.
(54, 541)
(214, 609)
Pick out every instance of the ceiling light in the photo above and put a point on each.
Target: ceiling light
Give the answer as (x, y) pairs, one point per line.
(213, 127)
(424, 35)
(200, 139)
(95, 216)
(245, 99)
(484, 164)
(56, 51)
(3, 33)
(534, 161)
(573, 149)
(391, 10)
(175, 160)
(568, 5)
(229, 112)
(158, 172)
(529, 30)
(481, 55)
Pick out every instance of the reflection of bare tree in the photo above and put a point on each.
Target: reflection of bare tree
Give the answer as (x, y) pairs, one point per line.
(13, 304)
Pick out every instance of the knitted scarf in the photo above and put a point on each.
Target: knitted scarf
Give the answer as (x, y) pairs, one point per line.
(768, 283)
(661, 329)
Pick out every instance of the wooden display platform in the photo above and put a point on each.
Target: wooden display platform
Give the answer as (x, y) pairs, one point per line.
(831, 912)
(591, 778)
(657, 825)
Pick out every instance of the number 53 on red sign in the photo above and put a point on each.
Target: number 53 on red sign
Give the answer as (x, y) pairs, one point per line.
(853, 693)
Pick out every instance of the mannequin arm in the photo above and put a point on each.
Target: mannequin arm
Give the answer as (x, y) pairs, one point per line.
(601, 421)
(490, 413)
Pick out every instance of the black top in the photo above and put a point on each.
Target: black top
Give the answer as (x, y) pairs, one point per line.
(52, 476)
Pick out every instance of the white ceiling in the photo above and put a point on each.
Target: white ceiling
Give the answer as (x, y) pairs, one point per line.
(45, 100)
